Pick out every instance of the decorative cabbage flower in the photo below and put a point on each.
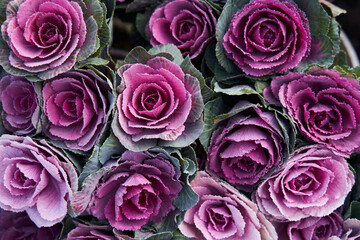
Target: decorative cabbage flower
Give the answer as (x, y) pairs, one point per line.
(158, 105)
(313, 182)
(76, 107)
(188, 24)
(323, 104)
(44, 38)
(20, 109)
(223, 213)
(245, 146)
(138, 189)
(311, 228)
(351, 230)
(267, 37)
(34, 178)
(18, 226)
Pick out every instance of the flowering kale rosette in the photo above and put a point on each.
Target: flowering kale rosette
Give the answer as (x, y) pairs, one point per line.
(140, 188)
(76, 107)
(18, 226)
(192, 138)
(323, 104)
(351, 230)
(249, 143)
(267, 37)
(158, 105)
(223, 213)
(312, 183)
(34, 178)
(44, 38)
(190, 25)
(311, 228)
(20, 105)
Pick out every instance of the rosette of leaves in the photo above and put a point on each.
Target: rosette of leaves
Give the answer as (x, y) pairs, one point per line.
(75, 33)
(134, 124)
(324, 31)
(183, 161)
(246, 141)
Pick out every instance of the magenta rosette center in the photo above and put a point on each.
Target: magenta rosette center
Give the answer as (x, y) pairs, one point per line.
(267, 37)
(312, 183)
(158, 105)
(76, 106)
(223, 213)
(20, 110)
(323, 104)
(247, 145)
(35, 180)
(141, 188)
(189, 25)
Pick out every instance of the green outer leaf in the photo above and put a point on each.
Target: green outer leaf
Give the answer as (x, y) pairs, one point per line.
(168, 48)
(216, 5)
(288, 129)
(155, 236)
(91, 43)
(211, 110)
(324, 31)
(170, 222)
(354, 210)
(110, 147)
(189, 135)
(92, 164)
(91, 61)
(4, 60)
(230, 8)
(141, 22)
(193, 86)
(189, 68)
(3, 5)
(137, 55)
(67, 226)
(236, 90)
(104, 35)
(93, 8)
(82, 198)
(318, 18)
(127, 141)
(187, 197)
(178, 236)
(346, 70)
(110, 7)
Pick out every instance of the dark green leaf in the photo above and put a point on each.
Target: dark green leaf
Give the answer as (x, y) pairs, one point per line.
(137, 55)
(216, 5)
(230, 8)
(110, 147)
(92, 42)
(351, 72)
(92, 165)
(110, 7)
(168, 48)
(67, 226)
(141, 22)
(189, 68)
(354, 210)
(3, 5)
(324, 33)
(178, 236)
(91, 61)
(212, 109)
